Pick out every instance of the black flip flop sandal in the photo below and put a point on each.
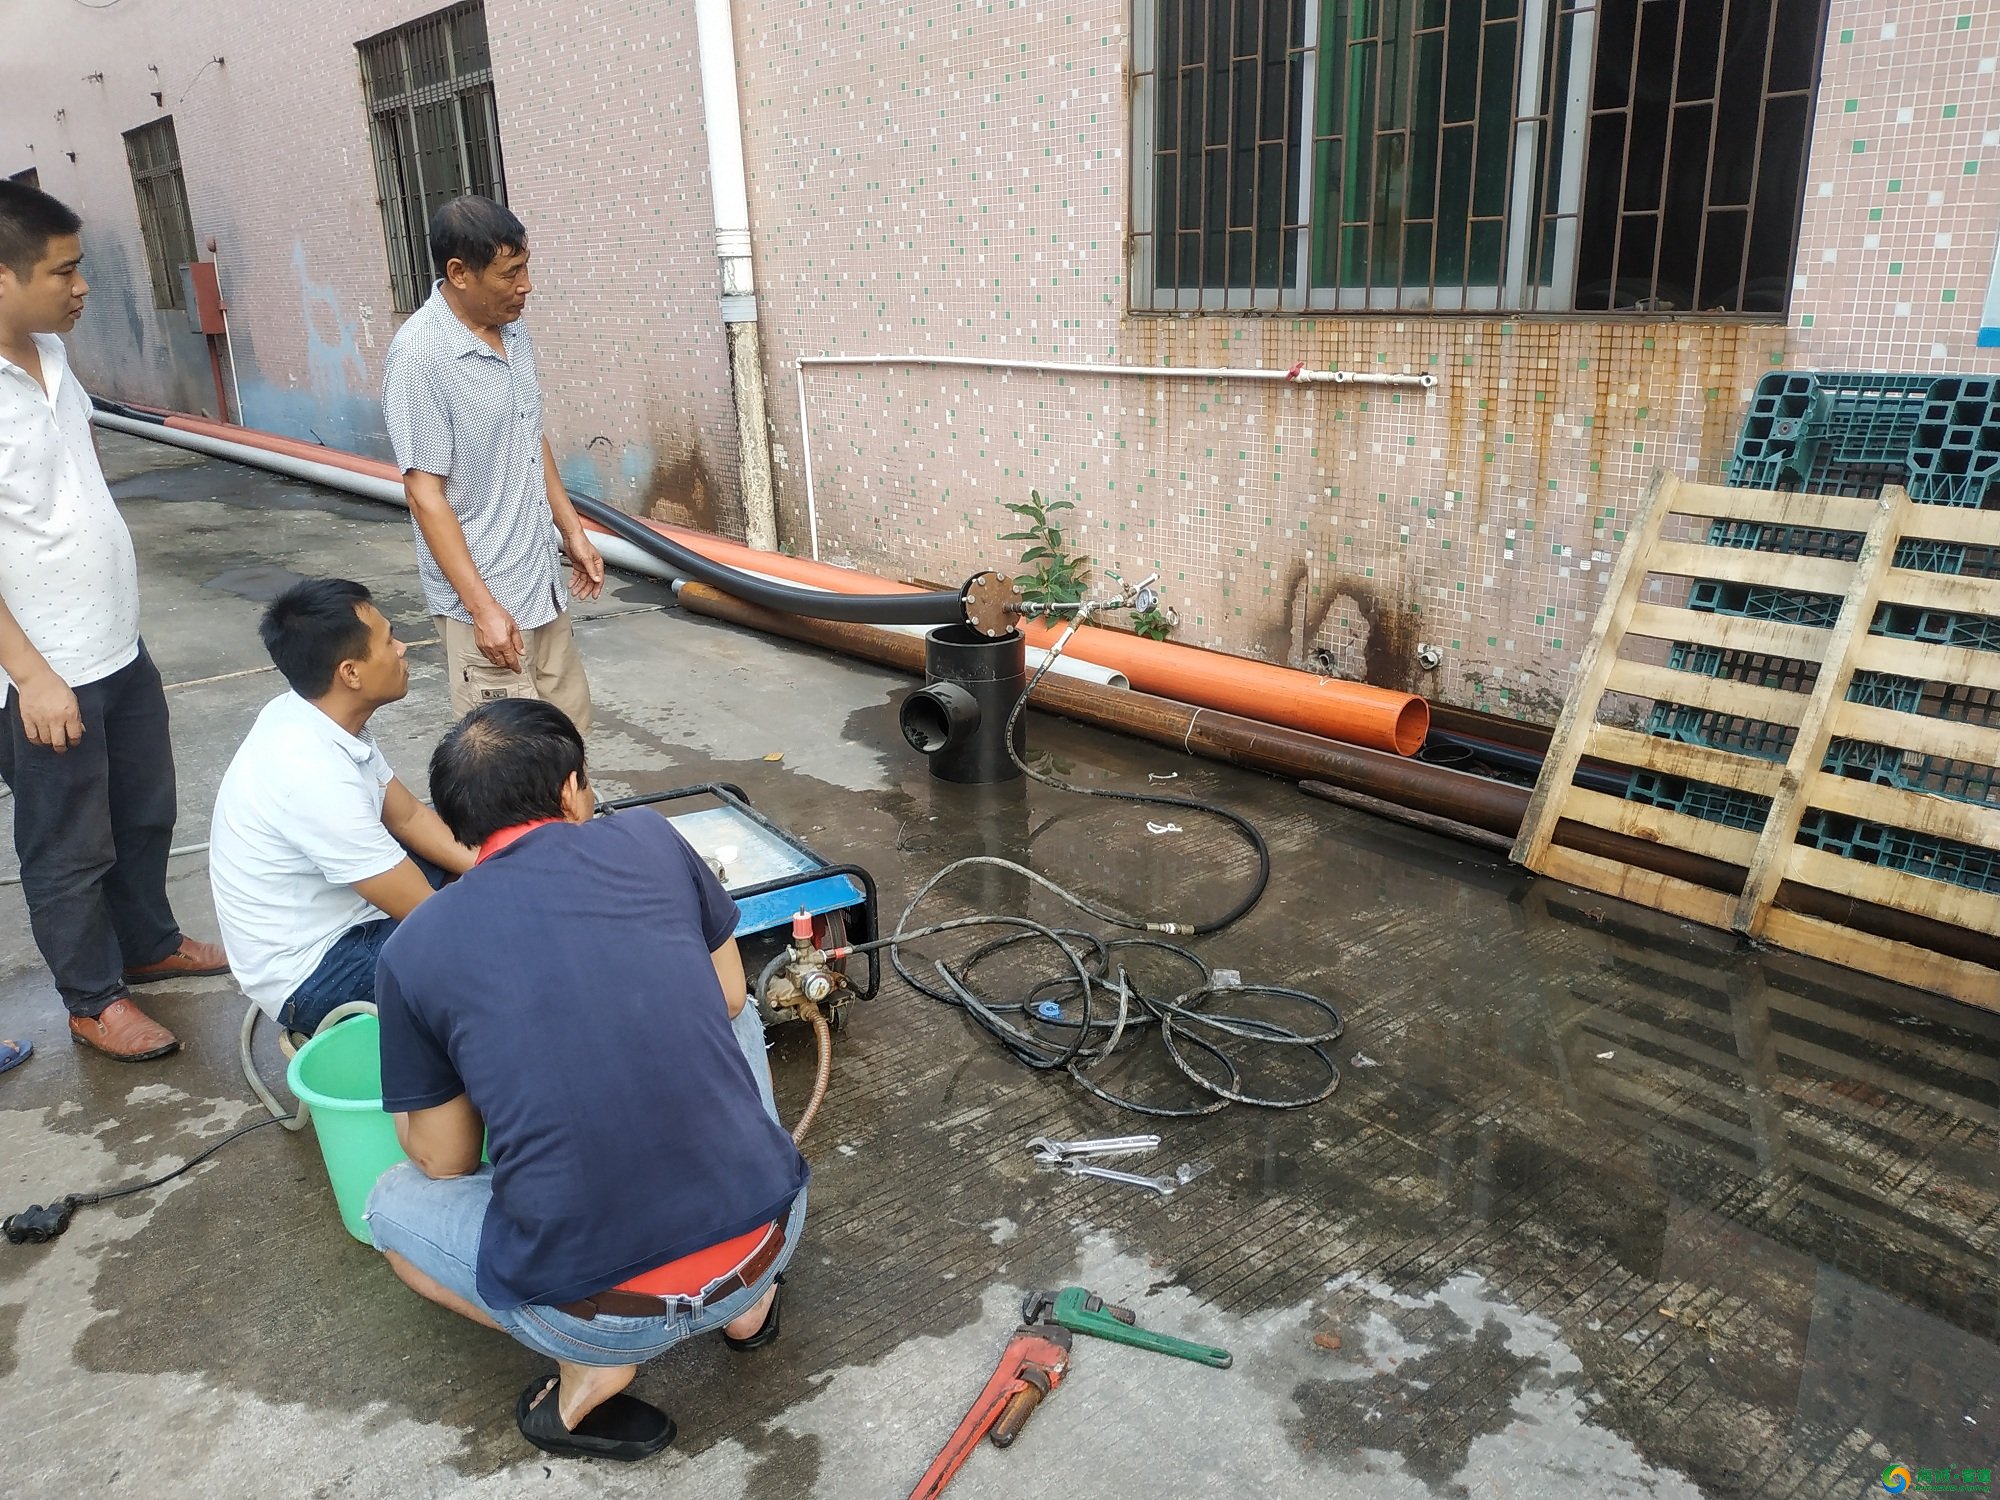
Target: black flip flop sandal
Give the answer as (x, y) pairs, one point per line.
(768, 1334)
(623, 1428)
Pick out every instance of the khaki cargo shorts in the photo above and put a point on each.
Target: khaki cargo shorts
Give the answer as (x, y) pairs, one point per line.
(551, 669)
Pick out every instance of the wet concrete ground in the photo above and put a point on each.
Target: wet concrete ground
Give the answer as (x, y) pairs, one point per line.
(1602, 1207)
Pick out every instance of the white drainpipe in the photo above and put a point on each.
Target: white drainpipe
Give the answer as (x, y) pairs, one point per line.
(1297, 375)
(723, 121)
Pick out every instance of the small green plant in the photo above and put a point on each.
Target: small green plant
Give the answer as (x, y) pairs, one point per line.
(1155, 624)
(1059, 574)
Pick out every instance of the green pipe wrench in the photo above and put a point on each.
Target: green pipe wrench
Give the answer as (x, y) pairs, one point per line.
(1079, 1311)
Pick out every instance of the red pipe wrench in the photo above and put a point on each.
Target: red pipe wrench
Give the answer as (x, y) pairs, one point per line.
(1036, 1360)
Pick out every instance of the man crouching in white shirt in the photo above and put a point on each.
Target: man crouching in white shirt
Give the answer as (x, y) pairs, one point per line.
(317, 851)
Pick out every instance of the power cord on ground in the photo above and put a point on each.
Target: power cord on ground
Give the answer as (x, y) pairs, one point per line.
(39, 1223)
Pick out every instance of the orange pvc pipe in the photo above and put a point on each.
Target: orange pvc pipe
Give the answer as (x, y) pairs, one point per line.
(1352, 712)
(792, 569)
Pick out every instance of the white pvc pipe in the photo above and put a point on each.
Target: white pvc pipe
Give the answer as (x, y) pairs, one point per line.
(806, 454)
(236, 386)
(722, 121)
(389, 491)
(1296, 375)
(615, 550)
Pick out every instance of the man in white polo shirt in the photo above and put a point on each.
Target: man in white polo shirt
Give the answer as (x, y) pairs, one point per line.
(317, 850)
(83, 730)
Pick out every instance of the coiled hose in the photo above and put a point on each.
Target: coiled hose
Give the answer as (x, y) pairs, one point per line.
(1084, 1012)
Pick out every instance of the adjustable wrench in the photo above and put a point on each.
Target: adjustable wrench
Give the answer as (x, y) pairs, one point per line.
(1164, 1186)
(1112, 1145)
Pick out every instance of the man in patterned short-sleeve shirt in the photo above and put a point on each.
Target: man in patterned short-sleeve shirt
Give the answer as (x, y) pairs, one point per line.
(493, 521)
(83, 718)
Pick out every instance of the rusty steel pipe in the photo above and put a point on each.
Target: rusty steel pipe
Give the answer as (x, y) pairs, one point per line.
(1395, 812)
(1436, 791)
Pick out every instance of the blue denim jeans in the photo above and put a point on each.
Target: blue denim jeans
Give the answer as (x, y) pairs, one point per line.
(347, 972)
(435, 1225)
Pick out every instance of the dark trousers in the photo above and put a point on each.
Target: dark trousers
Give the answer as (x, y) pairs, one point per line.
(92, 827)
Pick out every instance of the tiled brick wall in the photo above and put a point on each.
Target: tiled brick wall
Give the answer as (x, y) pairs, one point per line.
(607, 164)
(953, 178)
(1903, 201)
(950, 176)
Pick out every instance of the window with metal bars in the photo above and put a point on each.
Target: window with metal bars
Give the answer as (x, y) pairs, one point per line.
(429, 87)
(164, 227)
(1609, 156)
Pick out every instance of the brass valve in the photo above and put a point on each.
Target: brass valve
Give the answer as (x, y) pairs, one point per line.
(807, 977)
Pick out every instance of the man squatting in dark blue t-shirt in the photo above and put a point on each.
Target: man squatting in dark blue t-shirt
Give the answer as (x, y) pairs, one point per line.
(577, 999)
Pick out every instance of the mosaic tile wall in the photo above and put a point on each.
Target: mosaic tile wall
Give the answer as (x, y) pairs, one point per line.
(951, 176)
(1903, 202)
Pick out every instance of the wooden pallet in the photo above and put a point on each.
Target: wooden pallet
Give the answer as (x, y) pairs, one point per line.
(1770, 854)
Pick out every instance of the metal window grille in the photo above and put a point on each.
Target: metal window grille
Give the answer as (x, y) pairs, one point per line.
(429, 87)
(168, 234)
(1639, 156)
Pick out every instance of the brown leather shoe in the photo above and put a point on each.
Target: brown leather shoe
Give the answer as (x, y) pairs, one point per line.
(124, 1031)
(191, 960)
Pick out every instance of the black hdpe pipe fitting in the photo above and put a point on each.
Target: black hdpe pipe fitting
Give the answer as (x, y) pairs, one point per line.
(814, 604)
(958, 719)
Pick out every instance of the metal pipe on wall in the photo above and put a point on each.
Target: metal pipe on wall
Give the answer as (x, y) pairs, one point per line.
(1297, 375)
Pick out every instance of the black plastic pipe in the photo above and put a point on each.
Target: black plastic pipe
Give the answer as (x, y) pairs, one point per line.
(1526, 762)
(960, 718)
(811, 603)
(941, 608)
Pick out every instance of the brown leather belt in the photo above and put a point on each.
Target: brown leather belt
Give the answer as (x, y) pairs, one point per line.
(621, 1304)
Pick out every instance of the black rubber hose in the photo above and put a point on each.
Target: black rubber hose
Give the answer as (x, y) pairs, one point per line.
(1243, 825)
(941, 608)
(120, 409)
